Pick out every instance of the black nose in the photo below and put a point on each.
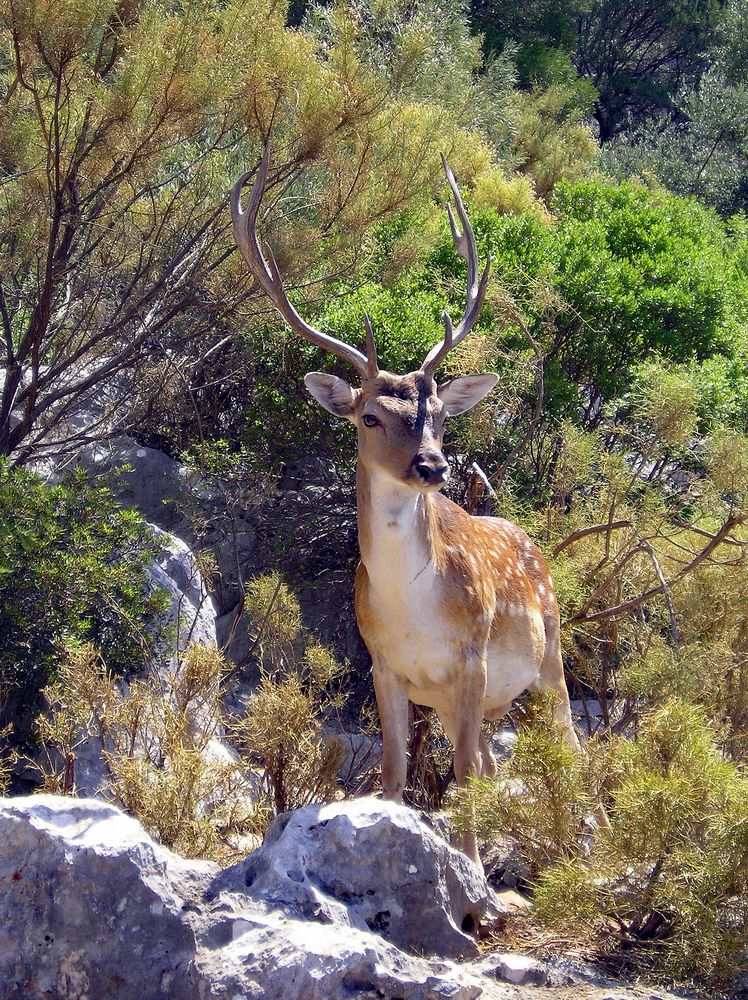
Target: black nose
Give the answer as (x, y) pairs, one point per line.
(431, 468)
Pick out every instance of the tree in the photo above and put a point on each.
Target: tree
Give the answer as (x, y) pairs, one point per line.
(122, 128)
(639, 53)
(537, 29)
(700, 145)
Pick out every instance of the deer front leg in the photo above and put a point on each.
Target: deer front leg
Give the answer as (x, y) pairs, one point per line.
(392, 704)
(471, 691)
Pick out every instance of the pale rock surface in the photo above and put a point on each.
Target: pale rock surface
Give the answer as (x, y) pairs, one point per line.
(190, 618)
(254, 953)
(191, 612)
(165, 492)
(138, 476)
(92, 909)
(373, 866)
(513, 968)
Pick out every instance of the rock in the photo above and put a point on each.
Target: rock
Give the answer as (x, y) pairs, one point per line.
(360, 757)
(192, 615)
(235, 642)
(587, 715)
(92, 909)
(510, 967)
(264, 954)
(190, 618)
(370, 865)
(506, 864)
(155, 484)
(512, 902)
(310, 470)
(503, 742)
(165, 493)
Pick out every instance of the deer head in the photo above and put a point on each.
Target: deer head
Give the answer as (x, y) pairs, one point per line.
(399, 418)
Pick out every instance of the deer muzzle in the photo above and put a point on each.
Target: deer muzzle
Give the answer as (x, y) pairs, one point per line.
(430, 468)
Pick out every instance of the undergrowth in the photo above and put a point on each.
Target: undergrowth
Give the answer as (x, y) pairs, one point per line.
(666, 887)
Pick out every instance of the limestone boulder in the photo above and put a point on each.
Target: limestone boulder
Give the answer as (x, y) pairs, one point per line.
(261, 953)
(145, 478)
(91, 907)
(373, 866)
(190, 617)
(191, 614)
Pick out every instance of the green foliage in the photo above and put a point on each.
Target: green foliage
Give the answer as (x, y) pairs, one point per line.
(701, 153)
(700, 145)
(540, 29)
(667, 882)
(722, 382)
(553, 141)
(634, 274)
(72, 570)
(618, 276)
(671, 874)
(120, 216)
(633, 54)
(155, 735)
(269, 601)
(646, 274)
(8, 758)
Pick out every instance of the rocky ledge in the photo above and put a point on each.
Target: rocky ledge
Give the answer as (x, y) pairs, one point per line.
(355, 899)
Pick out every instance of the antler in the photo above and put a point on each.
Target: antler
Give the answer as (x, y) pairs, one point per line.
(465, 243)
(268, 276)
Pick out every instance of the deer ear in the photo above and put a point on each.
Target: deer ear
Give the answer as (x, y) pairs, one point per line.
(331, 392)
(461, 394)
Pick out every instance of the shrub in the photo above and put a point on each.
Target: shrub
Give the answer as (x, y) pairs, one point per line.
(154, 735)
(72, 570)
(282, 729)
(154, 738)
(540, 796)
(666, 887)
(671, 876)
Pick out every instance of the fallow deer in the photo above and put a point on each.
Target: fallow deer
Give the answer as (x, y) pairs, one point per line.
(458, 612)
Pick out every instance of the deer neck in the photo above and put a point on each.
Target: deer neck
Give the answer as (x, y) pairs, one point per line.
(395, 528)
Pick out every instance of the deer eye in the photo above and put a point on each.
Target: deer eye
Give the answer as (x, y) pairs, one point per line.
(370, 421)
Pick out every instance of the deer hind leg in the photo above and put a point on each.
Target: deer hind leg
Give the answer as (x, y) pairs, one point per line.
(392, 705)
(552, 679)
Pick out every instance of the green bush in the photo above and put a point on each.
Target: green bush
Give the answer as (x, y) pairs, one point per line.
(666, 887)
(671, 876)
(621, 275)
(634, 273)
(72, 570)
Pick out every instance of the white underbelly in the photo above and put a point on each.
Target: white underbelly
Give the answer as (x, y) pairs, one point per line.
(430, 658)
(509, 672)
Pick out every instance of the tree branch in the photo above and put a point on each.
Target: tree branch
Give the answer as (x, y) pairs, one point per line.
(637, 602)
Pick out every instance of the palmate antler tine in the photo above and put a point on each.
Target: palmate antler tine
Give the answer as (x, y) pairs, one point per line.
(476, 289)
(267, 274)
